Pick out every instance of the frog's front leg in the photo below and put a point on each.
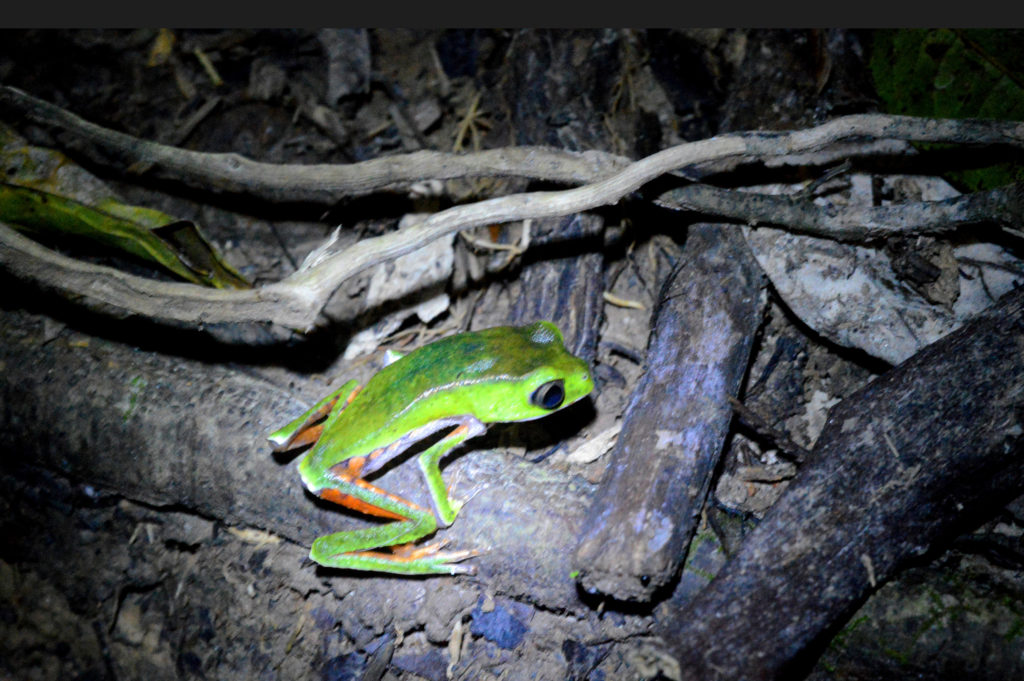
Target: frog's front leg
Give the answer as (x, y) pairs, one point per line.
(430, 463)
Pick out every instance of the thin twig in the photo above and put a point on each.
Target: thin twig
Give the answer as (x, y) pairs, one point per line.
(1004, 205)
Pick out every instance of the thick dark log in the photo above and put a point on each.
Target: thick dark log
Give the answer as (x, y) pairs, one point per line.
(647, 507)
(181, 433)
(901, 466)
(566, 289)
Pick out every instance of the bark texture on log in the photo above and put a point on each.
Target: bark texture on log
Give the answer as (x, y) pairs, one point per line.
(175, 432)
(677, 419)
(901, 465)
(566, 290)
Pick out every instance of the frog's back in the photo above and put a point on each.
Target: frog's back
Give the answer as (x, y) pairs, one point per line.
(470, 374)
(440, 368)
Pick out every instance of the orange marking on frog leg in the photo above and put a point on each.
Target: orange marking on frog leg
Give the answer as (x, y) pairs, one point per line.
(453, 556)
(306, 436)
(348, 471)
(351, 395)
(323, 411)
(411, 551)
(348, 501)
(380, 555)
(313, 428)
(327, 407)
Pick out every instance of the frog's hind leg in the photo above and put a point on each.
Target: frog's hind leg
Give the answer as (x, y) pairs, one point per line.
(397, 509)
(354, 550)
(351, 549)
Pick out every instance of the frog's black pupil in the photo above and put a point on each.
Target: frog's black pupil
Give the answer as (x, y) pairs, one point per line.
(549, 395)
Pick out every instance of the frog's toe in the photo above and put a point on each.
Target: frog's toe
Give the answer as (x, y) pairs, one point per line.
(450, 561)
(457, 569)
(432, 552)
(458, 504)
(413, 552)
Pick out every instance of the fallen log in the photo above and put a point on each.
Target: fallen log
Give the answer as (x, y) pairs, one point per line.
(902, 466)
(677, 419)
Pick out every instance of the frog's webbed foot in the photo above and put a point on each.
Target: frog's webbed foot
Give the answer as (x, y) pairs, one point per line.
(432, 552)
(456, 503)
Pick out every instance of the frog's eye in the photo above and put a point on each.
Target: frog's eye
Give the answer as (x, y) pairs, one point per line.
(549, 395)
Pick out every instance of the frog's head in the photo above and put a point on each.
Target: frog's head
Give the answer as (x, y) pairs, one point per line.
(535, 375)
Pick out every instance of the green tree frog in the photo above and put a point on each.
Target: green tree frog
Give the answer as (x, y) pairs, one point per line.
(458, 384)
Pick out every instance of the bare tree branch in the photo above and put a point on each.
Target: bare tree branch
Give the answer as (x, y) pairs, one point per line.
(296, 301)
(320, 183)
(328, 183)
(112, 291)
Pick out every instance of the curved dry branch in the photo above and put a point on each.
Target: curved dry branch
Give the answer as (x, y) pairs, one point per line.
(320, 183)
(327, 183)
(330, 273)
(115, 292)
(296, 301)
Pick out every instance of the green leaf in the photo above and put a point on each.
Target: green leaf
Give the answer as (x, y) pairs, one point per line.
(944, 73)
(42, 191)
